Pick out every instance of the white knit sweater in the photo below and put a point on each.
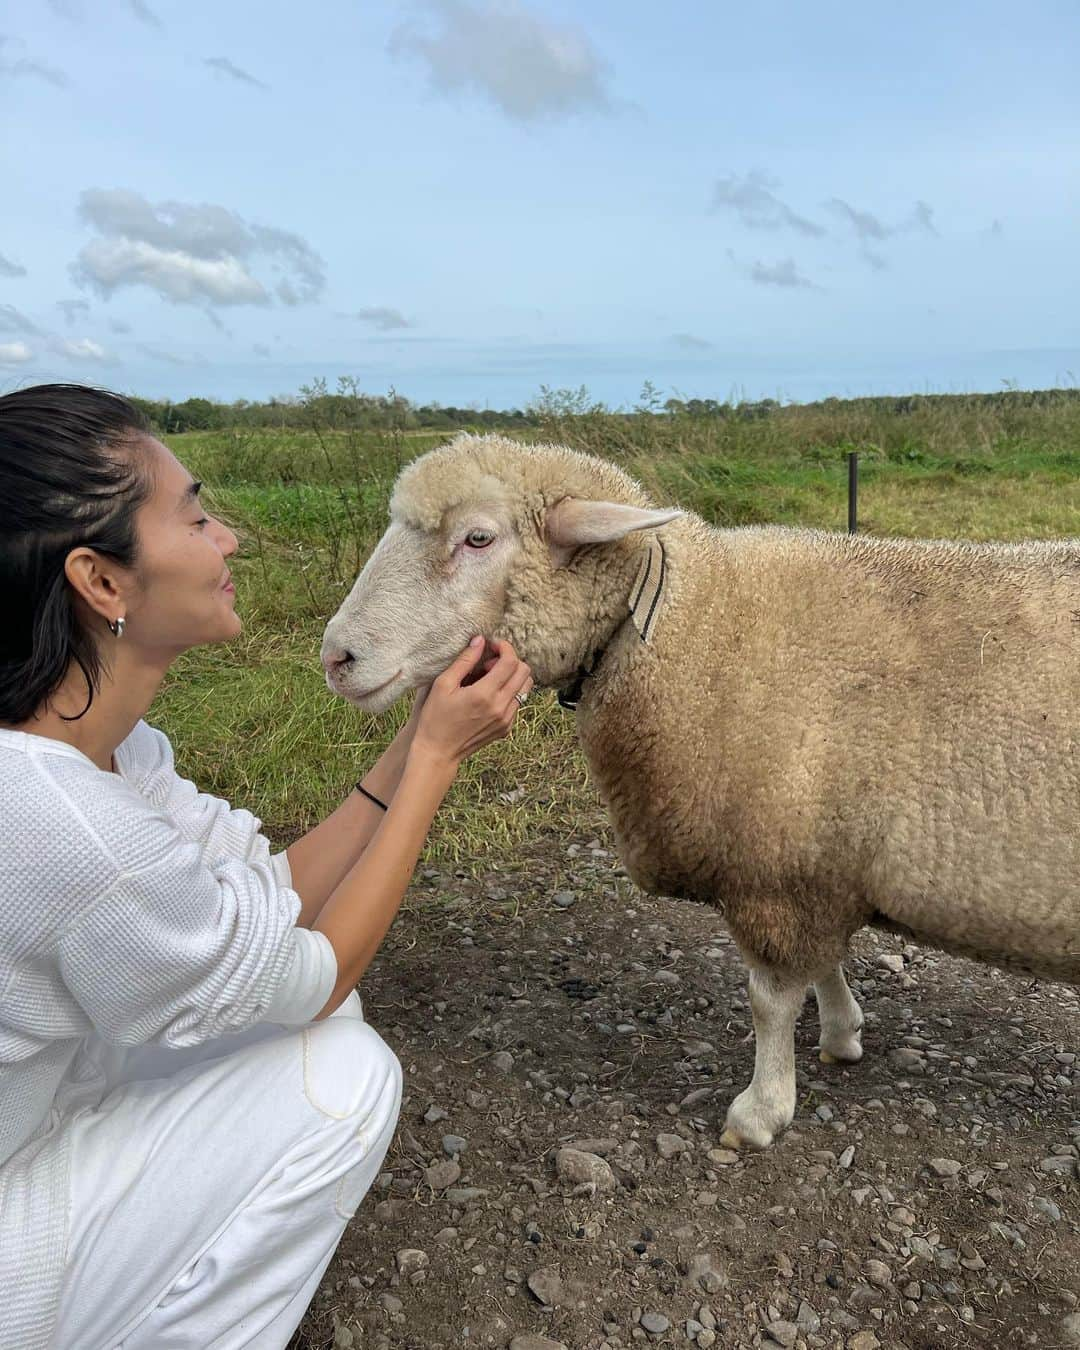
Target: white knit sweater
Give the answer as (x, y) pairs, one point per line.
(132, 909)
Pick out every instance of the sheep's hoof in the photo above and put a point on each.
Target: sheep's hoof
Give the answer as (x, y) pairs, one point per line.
(729, 1139)
(842, 1050)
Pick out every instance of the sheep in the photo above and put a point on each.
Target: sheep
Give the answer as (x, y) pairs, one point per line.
(810, 732)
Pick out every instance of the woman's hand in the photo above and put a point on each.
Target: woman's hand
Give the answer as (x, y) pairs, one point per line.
(465, 710)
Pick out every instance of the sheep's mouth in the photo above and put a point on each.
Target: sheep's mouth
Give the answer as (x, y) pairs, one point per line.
(361, 696)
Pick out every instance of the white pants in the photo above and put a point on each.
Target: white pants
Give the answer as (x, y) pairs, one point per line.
(211, 1186)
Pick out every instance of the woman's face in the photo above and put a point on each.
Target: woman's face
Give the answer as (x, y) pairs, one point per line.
(181, 594)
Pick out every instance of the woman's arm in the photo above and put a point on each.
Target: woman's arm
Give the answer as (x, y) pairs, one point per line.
(457, 719)
(319, 859)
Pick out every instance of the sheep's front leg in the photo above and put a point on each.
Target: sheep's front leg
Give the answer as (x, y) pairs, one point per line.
(767, 1106)
(841, 1019)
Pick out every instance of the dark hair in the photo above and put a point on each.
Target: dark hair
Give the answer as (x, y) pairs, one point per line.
(62, 486)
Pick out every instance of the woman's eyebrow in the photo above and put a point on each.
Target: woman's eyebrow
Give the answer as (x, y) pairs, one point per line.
(191, 491)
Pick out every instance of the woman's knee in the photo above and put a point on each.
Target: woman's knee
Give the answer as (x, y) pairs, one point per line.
(350, 1073)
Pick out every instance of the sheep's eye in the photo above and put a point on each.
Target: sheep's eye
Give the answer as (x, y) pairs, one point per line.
(479, 538)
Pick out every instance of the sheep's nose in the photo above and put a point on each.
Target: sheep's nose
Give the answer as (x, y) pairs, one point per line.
(335, 659)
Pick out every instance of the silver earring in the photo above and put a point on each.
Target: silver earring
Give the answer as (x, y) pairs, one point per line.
(117, 627)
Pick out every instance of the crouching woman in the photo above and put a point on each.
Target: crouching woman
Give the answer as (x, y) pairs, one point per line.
(191, 1104)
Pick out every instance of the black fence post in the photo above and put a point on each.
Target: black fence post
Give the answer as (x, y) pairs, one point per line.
(852, 491)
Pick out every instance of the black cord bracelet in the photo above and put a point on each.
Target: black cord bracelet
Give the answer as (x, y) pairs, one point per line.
(370, 795)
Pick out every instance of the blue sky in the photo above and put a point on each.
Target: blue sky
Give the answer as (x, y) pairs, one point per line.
(469, 200)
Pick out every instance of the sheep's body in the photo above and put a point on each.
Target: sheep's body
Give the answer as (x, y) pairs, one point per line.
(825, 730)
(820, 732)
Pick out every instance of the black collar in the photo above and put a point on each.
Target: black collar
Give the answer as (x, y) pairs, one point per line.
(643, 603)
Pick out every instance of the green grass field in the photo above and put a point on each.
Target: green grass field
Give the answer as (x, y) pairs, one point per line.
(255, 723)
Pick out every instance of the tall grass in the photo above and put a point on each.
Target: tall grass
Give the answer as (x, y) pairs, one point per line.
(254, 721)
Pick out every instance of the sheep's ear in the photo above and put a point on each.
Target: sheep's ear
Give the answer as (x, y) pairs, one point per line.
(574, 522)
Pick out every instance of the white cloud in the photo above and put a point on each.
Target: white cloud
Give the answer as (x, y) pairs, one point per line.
(867, 226)
(81, 349)
(119, 326)
(156, 352)
(690, 342)
(379, 316)
(73, 310)
(757, 206)
(224, 66)
(14, 321)
(783, 273)
(528, 66)
(194, 255)
(14, 353)
(8, 268)
(21, 68)
(142, 11)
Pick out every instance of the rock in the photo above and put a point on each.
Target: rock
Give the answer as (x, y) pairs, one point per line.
(465, 1195)
(409, 1260)
(390, 1302)
(706, 1339)
(654, 1323)
(808, 1321)
(443, 1174)
(1070, 1328)
(783, 1333)
(564, 899)
(847, 1157)
(1064, 1167)
(453, 1144)
(906, 1060)
(578, 1168)
(671, 1145)
(722, 1157)
(704, 1272)
(502, 1061)
(863, 1340)
(890, 961)
(434, 1114)
(944, 1167)
(545, 1284)
(535, 1343)
(879, 1274)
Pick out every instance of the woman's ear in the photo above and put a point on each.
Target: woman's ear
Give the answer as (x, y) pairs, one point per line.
(573, 522)
(96, 580)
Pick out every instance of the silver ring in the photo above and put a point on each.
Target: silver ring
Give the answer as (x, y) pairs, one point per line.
(521, 698)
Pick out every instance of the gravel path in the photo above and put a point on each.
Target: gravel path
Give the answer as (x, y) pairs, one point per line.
(570, 1047)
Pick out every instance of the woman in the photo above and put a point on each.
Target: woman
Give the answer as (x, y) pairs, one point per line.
(191, 1105)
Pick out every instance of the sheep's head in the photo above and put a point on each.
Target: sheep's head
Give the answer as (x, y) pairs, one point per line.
(489, 536)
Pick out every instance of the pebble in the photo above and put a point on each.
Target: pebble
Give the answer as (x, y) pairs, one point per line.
(453, 1144)
(863, 1340)
(502, 1061)
(434, 1114)
(879, 1274)
(890, 961)
(545, 1284)
(577, 1167)
(409, 1260)
(655, 1323)
(442, 1174)
(536, 1343)
(783, 1333)
(705, 1273)
(671, 1145)
(944, 1167)
(1070, 1327)
(722, 1157)
(564, 899)
(1065, 1167)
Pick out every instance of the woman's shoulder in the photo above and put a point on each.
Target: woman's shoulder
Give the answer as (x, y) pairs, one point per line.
(57, 805)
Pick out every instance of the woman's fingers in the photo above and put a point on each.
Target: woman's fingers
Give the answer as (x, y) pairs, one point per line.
(462, 665)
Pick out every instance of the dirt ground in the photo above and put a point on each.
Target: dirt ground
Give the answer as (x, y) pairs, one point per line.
(927, 1197)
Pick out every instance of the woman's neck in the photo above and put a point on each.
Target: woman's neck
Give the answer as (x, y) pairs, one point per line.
(126, 692)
